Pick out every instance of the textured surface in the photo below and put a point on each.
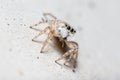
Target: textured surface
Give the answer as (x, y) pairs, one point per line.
(98, 35)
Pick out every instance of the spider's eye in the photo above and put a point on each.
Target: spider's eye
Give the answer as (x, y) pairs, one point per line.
(72, 30)
(68, 27)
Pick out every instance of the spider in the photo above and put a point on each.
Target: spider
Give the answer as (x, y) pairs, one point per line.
(61, 30)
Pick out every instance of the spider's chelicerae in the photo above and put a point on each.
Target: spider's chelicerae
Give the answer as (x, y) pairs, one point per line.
(61, 30)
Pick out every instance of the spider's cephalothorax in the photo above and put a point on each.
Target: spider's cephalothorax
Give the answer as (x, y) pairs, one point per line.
(61, 30)
(65, 30)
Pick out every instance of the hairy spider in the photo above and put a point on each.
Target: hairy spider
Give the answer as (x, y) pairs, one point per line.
(61, 30)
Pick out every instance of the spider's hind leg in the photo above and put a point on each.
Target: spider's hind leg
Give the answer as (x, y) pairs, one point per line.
(68, 53)
(68, 60)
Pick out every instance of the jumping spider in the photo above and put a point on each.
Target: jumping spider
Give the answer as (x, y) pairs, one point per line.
(61, 30)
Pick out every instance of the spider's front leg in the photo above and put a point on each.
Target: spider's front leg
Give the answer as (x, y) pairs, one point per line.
(40, 33)
(35, 25)
(50, 35)
(39, 23)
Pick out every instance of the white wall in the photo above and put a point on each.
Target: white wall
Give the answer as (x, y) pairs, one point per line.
(98, 27)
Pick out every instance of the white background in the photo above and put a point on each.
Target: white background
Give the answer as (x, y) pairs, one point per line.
(98, 34)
